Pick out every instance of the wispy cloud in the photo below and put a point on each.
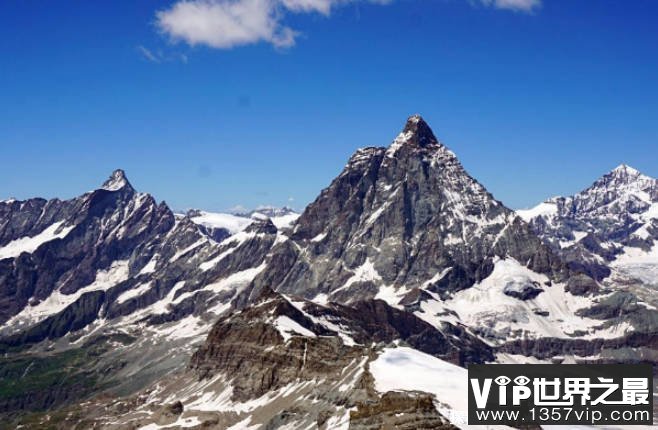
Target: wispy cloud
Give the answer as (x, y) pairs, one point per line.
(159, 56)
(146, 53)
(515, 5)
(226, 24)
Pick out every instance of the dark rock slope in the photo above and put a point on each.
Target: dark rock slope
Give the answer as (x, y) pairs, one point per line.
(399, 217)
(113, 262)
(90, 232)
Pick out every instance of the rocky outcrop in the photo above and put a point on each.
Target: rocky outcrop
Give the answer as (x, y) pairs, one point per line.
(248, 347)
(525, 291)
(376, 321)
(397, 410)
(251, 347)
(549, 348)
(580, 285)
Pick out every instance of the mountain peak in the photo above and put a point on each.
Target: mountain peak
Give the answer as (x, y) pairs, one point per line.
(116, 181)
(625, 170)
(626, 175)
(416, 133)
(415, 119)
(419, 131)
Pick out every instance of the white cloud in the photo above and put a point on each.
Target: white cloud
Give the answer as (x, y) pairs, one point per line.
(225, 24)
(322, 6)
(516, 5)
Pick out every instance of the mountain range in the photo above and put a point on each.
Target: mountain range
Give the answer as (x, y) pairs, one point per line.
(361, 312)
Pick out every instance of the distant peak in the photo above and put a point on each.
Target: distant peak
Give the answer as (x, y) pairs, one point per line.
(626, 174)
(116, 181)
(627, 178)
(416, 132)
(625, 169)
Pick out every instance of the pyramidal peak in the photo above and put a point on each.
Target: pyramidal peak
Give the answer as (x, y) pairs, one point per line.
(417, 128)
(416, 133)
(625, 170)
(625, 175)
(116, 181)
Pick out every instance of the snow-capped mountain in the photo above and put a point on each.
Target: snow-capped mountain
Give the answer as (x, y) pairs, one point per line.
(403, 264)
(404, 267)
(613, 224)
(398, 216)
(59, 246)
(114, 263)
(408, 225)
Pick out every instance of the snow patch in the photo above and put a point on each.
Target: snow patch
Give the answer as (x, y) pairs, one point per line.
(484, 305)
(289, 327)
(408, 369)
(319, 238)
(639, 264)
(180, 423)
(324, 321)
(651, 213)
(284, 221)
(30, 244)
(150, 266)
(188, 327)
(399, 141)
(133, 292)
(230, 222)
(235, 281)
(545, 209)
(184, 251)
(365, 272)
(391, 295)
(161, 306)
(57, 301)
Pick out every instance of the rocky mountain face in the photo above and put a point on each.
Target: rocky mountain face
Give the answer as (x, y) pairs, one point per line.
(111, 264)
(285, 361)
(361, 313)
(398, 216)
(408, 225)
(615, 220)
(60, 245)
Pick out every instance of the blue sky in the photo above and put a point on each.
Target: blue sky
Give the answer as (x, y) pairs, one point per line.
(217, 103)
